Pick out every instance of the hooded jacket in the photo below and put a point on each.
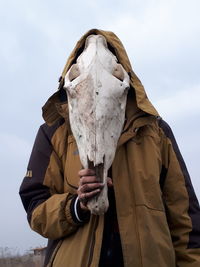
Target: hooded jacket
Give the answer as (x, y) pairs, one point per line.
(157, 211)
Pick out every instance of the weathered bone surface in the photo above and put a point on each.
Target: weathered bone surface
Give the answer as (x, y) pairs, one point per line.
(97, 88)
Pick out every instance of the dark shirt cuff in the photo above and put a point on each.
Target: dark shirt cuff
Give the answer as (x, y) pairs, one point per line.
(78, 215)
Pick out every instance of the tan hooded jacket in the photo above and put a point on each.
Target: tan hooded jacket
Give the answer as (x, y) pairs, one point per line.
(157, 210)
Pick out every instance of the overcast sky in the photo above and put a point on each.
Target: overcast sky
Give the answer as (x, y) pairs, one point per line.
(162, 40)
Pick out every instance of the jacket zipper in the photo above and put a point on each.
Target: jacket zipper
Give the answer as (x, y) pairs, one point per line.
(52, 257)
(93, 241)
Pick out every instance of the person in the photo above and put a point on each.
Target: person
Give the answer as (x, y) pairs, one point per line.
(154, 216)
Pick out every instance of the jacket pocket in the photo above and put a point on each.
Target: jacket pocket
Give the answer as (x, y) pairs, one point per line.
(72, 165)
(155, 239)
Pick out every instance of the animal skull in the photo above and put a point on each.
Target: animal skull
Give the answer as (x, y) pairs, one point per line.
(97, 87)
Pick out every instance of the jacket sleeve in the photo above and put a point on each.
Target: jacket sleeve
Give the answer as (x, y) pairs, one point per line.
(182, 207)
(50, 210)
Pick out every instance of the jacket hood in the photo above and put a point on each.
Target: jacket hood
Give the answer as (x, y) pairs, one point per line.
(54, 108)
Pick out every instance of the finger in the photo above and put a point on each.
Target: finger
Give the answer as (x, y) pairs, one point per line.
(88, 180)
(109, 182)
(83, 206)
(86, 172)
(91, 187)
(91, 194)
(82, 198)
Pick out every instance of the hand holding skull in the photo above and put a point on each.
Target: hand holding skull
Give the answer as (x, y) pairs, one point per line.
(89, 186)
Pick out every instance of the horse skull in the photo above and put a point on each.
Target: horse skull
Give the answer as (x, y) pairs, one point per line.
(96, 87)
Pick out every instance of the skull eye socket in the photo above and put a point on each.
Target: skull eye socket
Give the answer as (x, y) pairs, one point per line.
(118, 72)
(74, 72)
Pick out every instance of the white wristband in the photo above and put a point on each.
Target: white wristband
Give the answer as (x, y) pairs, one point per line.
(75, 210)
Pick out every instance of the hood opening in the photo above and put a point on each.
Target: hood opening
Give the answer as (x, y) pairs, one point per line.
(50, 113)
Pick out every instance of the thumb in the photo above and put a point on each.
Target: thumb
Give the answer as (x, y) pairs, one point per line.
(109, 182)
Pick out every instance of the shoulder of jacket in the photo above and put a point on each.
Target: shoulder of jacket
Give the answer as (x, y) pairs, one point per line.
(165, 127)
(50, 130)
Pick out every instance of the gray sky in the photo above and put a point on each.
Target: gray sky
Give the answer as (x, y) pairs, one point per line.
(162, 41)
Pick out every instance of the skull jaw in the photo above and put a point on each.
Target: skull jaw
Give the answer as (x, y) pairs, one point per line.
(99, 204)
